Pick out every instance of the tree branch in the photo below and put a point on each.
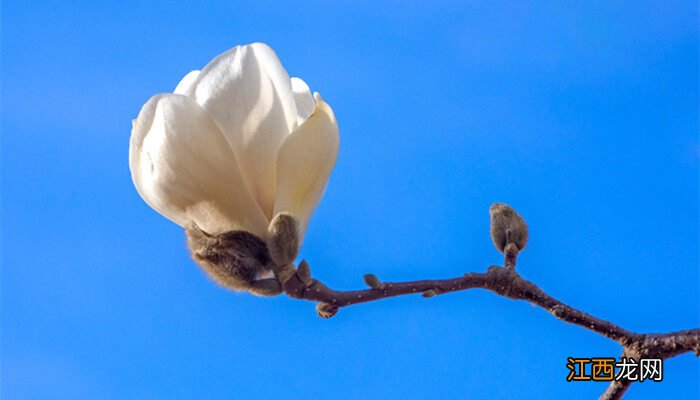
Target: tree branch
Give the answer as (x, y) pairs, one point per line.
(506, 282)
(615, 390)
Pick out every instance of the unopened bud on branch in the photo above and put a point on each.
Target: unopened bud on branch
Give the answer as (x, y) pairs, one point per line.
(372, 281)
(507, 226)
(283, 239)
(326, 310)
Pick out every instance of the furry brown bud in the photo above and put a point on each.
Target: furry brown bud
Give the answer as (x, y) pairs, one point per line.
(283, 239)
(372, 281)
(326, 310)
(237, 260)
(507, 226)
(429, 293)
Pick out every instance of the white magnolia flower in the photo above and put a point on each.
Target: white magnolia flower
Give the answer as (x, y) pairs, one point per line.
(234, 145)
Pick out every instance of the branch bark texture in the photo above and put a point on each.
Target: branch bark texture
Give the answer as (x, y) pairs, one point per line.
(505, 282)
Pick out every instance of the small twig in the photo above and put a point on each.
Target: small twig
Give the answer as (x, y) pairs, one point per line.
(508, 283)
(510, 252)
(510, 255)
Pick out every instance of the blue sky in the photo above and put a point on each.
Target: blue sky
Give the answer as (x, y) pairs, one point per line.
(582, 115)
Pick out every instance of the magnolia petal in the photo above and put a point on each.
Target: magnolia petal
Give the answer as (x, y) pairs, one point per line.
(249, 94)
(186, 83)
(303, 99)
(304, 165)
(183, 167)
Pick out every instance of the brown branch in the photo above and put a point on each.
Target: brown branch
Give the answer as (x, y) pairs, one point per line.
(506, 282)
(615, 390)
(654, 345)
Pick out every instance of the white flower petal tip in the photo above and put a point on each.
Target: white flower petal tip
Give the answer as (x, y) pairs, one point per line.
(304, 100)
(305, 163)
(235, 144)
(186, 82)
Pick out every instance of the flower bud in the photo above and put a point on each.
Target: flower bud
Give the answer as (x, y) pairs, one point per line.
(372, 281)
(507, 226)
(326, 310)
(283, 239)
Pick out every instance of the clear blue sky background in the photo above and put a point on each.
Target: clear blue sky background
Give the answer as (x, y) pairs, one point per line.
(582, 115)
